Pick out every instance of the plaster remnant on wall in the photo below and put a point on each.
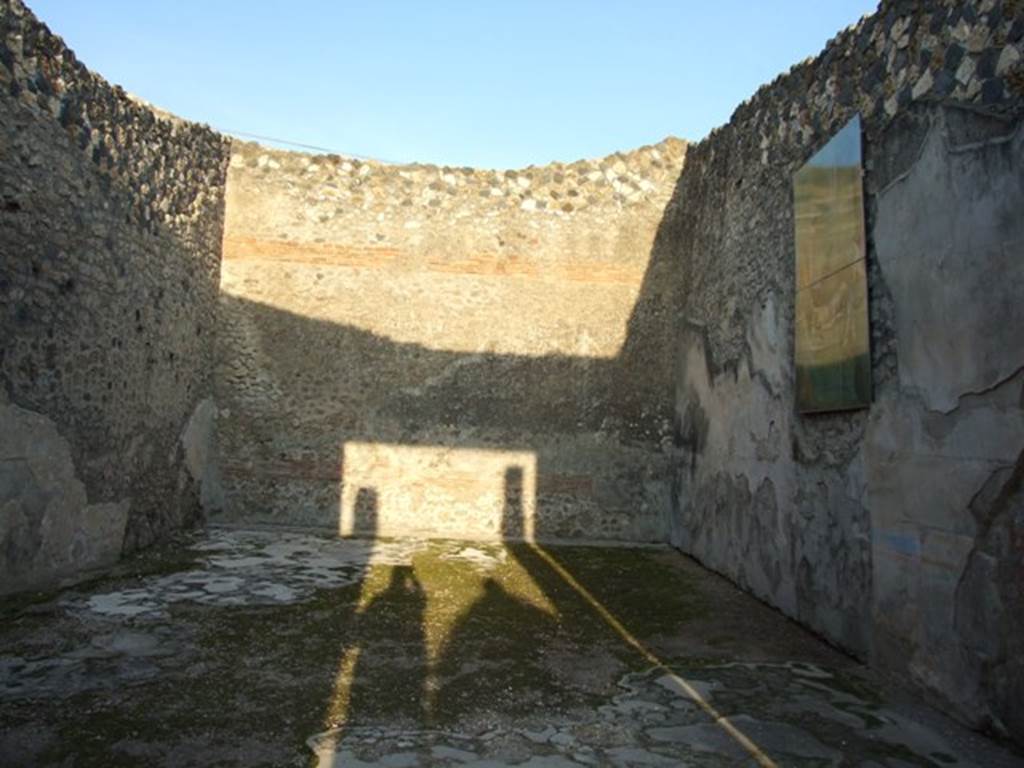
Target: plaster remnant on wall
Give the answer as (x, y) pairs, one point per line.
(949, 238)
(199, 442)
(943, 449)
(48, 529)
(742, 511)
(927, 480)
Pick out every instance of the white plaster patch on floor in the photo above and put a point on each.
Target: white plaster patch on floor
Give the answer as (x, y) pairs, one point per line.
(917, 738)
(539, 737)
(803, 705)
(443, 755)
(805, 669)
(212, 543)
(130, 602)
(635, 756)
(442, 752)
(18, 674)
(703, 688)
(279, 593)
(256, 568)
(482, 559)
(126, 643)
(771, 737)
(237, 562)
(633, 708)
(220, 585)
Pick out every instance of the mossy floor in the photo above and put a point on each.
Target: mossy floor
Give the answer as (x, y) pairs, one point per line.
(283, 649)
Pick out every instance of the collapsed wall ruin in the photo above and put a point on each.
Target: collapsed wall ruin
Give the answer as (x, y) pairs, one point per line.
(597, 350)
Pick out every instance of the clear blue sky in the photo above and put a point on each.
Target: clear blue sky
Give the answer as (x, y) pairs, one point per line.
(488, 83)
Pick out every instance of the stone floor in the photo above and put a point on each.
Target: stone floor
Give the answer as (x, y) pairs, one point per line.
(257, 648)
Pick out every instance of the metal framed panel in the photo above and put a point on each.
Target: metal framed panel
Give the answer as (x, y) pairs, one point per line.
(833, 356)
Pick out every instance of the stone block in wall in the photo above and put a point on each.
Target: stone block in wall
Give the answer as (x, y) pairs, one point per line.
(48, 529)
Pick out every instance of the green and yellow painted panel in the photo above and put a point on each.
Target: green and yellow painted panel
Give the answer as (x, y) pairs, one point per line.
(833, 360)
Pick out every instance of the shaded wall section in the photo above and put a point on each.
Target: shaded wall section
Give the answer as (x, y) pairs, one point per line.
(431, 332)
(111, 217)
(895, 531)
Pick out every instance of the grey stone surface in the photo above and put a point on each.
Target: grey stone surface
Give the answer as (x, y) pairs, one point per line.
(218, 676)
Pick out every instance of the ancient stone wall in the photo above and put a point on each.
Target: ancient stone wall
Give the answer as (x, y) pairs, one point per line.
(448, 351)
(896, 531)
(110, 226)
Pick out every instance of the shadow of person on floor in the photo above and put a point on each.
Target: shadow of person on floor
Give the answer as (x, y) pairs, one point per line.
(380, 670)
(491, 659)
(388, 678)
(488, 659)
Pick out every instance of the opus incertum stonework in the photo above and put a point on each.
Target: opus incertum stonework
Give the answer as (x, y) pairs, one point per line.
(310, 460)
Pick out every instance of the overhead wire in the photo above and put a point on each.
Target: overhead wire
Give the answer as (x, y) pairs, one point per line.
(301, 145)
